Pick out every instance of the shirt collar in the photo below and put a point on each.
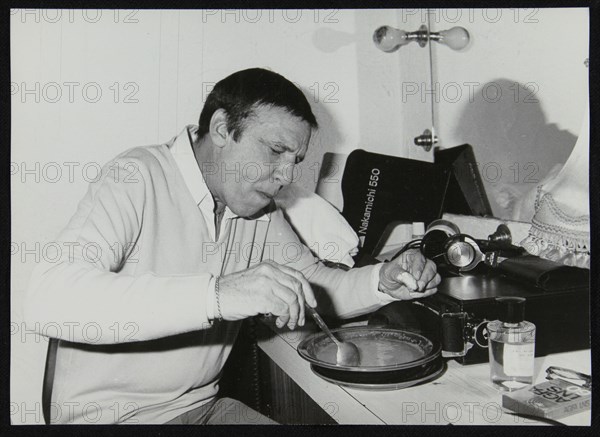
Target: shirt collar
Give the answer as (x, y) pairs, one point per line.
(183, 154)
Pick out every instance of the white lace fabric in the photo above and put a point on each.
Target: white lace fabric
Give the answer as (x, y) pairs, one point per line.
(557, 235)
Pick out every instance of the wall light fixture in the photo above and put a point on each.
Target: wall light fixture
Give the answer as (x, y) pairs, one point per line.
(389, 39)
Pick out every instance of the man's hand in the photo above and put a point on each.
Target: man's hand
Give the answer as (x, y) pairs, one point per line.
(409, 276)
(266, 288)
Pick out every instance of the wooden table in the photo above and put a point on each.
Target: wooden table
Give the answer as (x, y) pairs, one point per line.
(462, 395)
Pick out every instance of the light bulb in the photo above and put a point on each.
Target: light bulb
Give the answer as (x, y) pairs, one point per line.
(456, 38)
(389, 39)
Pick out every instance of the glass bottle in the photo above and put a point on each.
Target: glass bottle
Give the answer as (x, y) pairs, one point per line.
(511, 345)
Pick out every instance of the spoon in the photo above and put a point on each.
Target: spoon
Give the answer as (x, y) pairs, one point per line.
(347, 352)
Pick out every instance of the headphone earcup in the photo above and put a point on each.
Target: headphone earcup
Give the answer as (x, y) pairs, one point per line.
(434, 241)
(433, 244)
(461, 251)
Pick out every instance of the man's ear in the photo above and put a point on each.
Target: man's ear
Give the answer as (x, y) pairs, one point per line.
(218, 128)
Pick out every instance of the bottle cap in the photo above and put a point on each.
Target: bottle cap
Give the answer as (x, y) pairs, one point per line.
(512, 309)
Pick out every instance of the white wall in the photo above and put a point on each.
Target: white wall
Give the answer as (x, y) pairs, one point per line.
(521, 133)
(154, 68)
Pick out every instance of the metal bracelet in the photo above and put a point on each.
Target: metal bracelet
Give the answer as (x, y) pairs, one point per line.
(219, 314)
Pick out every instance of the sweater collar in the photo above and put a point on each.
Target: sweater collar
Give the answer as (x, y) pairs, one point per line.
(181, 149)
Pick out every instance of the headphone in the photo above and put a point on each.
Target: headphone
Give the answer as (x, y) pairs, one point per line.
(461, 252)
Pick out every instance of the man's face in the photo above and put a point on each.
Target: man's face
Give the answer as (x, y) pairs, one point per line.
(257, 166)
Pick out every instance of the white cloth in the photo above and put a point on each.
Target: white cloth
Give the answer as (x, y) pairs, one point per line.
(560, 229)
(319, 225)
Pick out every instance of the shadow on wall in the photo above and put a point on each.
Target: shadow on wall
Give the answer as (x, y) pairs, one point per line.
(330, 40)
(514, 144)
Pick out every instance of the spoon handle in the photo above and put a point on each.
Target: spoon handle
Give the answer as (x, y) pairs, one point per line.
(321, 324)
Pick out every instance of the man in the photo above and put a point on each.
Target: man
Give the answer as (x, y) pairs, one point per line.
(175, 245)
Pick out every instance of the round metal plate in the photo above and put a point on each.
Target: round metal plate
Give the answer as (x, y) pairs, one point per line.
(379, 385)
(382, 350)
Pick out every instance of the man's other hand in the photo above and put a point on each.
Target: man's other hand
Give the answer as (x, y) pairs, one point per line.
(409, 276)
(266, 288)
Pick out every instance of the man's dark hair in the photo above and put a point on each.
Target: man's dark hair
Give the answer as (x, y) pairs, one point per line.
(242, 92)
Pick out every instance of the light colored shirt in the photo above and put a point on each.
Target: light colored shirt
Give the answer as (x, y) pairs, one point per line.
(131, 294)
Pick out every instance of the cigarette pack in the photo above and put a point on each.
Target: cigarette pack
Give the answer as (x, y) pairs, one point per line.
(551, 399)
